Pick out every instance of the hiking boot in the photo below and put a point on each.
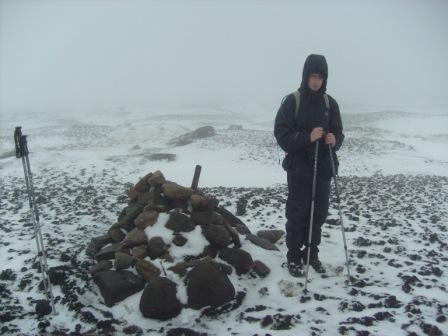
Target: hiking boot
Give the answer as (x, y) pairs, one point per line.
(314, 260)
(317, 266)
(295, 269)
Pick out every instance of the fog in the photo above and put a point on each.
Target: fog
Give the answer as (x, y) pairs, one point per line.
(106, 54)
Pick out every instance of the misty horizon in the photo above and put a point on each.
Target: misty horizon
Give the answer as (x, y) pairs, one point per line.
(101, 54)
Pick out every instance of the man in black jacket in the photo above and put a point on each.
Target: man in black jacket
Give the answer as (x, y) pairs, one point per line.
(317, 119)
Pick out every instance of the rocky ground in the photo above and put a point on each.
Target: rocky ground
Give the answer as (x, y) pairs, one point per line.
(397, 235)
(396, 224)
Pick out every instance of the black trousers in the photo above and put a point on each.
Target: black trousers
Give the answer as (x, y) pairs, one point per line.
(298, 211)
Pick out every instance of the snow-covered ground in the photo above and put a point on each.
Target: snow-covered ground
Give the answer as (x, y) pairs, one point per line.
(394, 182)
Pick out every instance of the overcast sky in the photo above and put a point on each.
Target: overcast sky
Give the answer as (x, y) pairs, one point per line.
(108, 53)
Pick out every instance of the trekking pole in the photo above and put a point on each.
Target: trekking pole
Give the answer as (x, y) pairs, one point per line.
(276, 147)
(347, 260)
(313, 196)
(22, 152)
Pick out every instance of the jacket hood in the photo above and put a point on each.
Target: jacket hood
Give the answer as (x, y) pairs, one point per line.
(314, 64)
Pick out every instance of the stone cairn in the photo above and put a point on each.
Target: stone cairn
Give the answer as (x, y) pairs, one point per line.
(130, 258)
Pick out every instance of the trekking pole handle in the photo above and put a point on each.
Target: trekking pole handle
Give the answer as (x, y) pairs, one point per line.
(20, 143)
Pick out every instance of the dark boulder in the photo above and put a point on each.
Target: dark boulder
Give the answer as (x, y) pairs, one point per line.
(156, 179)
(146, 218)
(207, 217)
(116, 286)
(143, 198)
(174, 191)
(208, 285)
(108, 252)
(180, 205)
(226, 268)
(182, 267)
(127, 221)
(272, 235)
(239, 259)
(242, 229)
(179, 222)
(202, 203)
(234, 234)
(101, 266)
(202, 132)
(140, 251)
(159, 300)
(211, 251)
(123, 261)
(217, 235)
(229, 217)
(133, 195)
(117, 235)
(142, 184)
(43, 307)
(97, 244)
(147, 269)
(135, 238)
(263, 243)
(179, 240)
(157, 201)
(261, 269)
(187, 138)
(167, 257)
(156, 247)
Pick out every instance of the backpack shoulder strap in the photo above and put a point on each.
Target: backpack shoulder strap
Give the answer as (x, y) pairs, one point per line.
(327, 101)
(297, 97)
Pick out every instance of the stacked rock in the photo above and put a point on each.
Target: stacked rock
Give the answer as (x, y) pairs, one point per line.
(127, 255)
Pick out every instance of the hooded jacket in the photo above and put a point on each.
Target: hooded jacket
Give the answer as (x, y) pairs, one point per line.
(293, 136)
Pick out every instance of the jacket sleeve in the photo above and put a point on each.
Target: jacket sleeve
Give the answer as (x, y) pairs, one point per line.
(336, 124)
(288, 138)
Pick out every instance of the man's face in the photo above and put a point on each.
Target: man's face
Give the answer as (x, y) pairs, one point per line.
(315, 81)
